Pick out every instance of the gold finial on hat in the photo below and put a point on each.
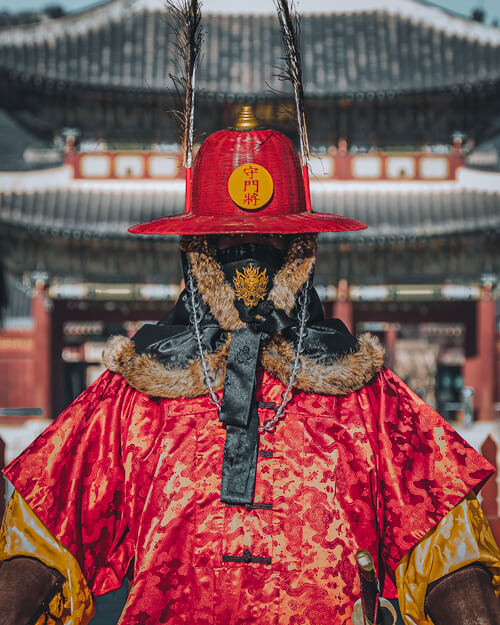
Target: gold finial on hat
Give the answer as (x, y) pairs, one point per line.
(246, 119)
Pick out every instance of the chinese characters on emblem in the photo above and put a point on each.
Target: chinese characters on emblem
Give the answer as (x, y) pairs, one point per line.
(250, 186)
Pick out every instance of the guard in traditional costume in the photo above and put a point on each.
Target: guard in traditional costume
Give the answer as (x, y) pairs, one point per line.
(240, 459)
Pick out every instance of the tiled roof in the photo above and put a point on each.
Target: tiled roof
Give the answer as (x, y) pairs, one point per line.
(76, 212)
(435, 212)
(20, 150)
(370, 51)
(486, 156)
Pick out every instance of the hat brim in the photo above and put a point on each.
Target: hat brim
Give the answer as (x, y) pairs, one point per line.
(189, 224)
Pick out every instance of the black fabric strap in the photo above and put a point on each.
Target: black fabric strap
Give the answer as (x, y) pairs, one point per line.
(239, 406)
(239, 412)
(240, 377)
(239, 466)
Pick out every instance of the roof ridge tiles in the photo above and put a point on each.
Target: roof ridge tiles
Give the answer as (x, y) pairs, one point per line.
(429, 213)
(414, 10)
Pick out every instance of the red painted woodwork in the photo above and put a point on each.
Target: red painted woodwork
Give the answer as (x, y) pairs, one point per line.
(41, 313)
(341, 166)
(497, 383)
(343, 311)
(391, 337)
(75, 160)
(489, 491)
(2, 481)
(17, 369)
(343, 307)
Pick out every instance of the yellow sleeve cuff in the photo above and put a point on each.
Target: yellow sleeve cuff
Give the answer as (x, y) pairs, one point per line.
(462, 537)
(23, 534)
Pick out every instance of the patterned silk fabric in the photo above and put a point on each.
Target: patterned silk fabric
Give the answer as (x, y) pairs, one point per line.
(461, 538)
(24, 535)
(122, 476)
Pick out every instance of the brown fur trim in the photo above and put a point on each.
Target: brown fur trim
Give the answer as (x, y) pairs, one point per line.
(215, 290)
(146, 374)
(337, 376)
(118, 352)
(298, 265)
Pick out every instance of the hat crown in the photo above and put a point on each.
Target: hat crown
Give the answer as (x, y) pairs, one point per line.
(268, 151)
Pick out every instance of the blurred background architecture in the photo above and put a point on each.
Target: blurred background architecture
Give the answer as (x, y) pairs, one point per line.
(404, 121)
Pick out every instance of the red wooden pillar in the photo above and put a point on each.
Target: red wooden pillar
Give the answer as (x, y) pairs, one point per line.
(56, 361)
(342, 307)
(41, 311)
(497, 382)
(480, 370)
(2, 479)
(489, 491)
(391, 337)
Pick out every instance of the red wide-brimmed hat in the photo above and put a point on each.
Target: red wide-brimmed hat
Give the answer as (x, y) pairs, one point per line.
(247, 180)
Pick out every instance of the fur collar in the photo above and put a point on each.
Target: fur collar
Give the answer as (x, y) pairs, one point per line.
(337, 376)
(334, 376)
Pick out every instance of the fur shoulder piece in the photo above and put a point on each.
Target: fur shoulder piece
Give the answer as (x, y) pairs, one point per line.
(337, 376)
(146, 374)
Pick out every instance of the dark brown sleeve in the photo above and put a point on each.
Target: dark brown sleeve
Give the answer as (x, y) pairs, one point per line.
(26, 588)
(464, 597)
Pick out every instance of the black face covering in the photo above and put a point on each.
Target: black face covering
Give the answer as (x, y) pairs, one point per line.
(250, 269)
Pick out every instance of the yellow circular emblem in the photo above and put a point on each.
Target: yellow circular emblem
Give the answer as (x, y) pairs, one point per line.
(250, 186)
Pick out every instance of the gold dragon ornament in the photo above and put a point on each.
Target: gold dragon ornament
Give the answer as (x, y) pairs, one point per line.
(250, 285)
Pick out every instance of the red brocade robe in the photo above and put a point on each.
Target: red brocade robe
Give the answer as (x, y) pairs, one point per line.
(129, 483)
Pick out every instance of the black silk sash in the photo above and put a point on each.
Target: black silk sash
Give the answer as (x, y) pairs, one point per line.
(173, 343)
(239, 406)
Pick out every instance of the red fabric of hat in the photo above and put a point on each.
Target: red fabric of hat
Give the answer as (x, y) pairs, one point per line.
(265, 194)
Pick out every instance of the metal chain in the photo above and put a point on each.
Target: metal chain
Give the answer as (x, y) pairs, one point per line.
(270, 424)
(303, 317)
(195, 318)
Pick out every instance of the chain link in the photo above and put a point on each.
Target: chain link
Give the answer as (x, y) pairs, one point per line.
(270, 424)
(195, 316)
(303, 317)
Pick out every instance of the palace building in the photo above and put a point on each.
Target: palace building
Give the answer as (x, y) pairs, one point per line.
(403, 111)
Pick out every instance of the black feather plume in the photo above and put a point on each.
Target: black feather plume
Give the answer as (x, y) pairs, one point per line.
(184, 17)
(290, 29)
